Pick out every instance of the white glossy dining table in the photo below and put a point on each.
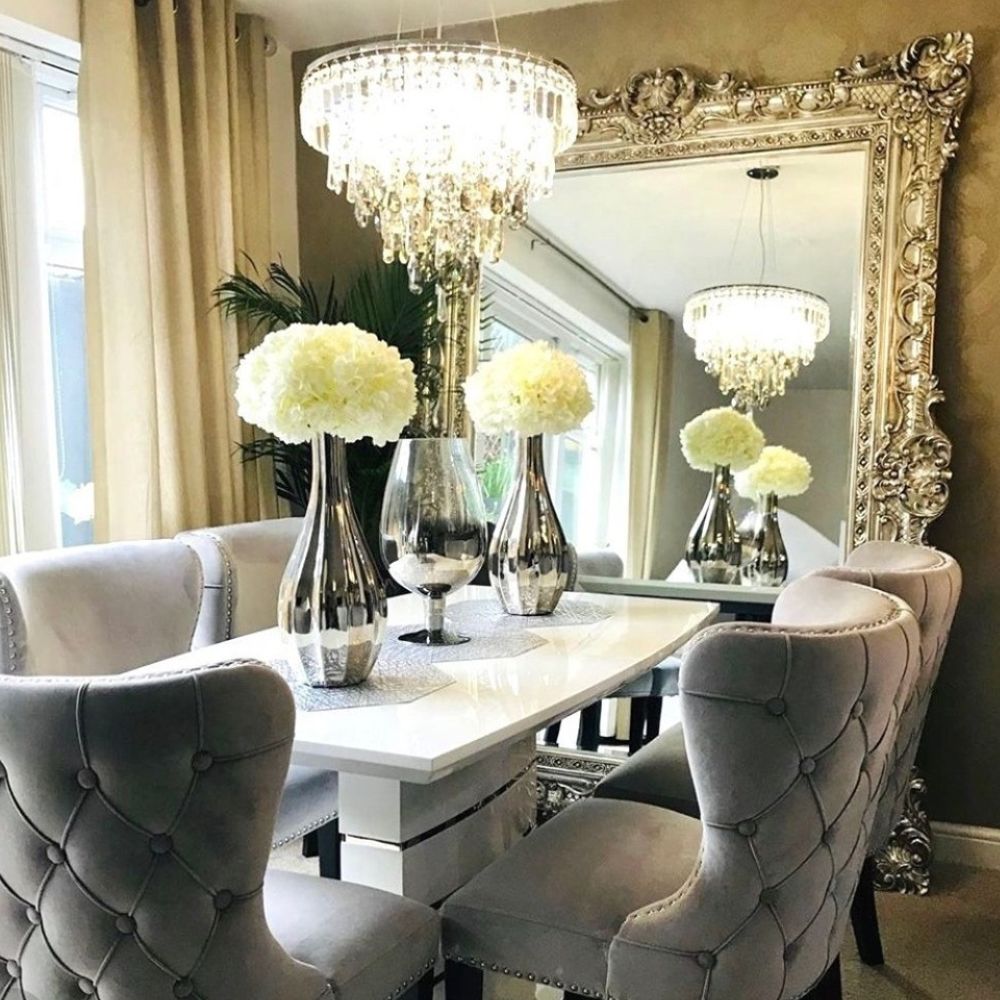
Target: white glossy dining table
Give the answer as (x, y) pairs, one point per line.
(434, 789)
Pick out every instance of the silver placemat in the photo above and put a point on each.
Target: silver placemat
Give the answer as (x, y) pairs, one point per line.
(405, 672)
(486, 613)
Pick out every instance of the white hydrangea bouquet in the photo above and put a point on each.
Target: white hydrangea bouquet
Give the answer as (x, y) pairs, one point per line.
(531, 390)
(329, 384)
(721, 437)
(778, 472)
(326, 379)
(720, 441)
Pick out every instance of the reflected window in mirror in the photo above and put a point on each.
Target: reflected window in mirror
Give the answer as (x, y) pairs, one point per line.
(586, 468)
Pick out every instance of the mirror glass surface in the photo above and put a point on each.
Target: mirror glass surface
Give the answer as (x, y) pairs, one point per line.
(615, 250)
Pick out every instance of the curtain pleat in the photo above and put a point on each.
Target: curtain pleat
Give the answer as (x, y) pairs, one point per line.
(651, 371)
(167, 216)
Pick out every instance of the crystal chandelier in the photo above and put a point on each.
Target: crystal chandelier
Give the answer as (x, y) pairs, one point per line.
(754, 338)
(440, 143)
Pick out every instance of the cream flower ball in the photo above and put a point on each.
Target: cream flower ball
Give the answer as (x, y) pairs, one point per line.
(722, 436)
(531, 389)
(780, 471)
(326, 379)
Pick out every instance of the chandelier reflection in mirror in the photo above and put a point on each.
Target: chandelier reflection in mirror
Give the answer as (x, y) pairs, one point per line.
(440, 143)
(755, 338)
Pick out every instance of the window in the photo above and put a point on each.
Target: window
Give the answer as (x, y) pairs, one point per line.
(46, 415)
(582, 466)
(62, 196)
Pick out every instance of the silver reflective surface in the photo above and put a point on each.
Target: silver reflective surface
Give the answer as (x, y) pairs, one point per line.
(713, 548)
(767, 559)
(530, 562)
(331, 604)
(433, 528)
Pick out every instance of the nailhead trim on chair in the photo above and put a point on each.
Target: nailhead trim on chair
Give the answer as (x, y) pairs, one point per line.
(304, 831)
(8, 624)
(227, 563)
(412, 981)
(531, 977)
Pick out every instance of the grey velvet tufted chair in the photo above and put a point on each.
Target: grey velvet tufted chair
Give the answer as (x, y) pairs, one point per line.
(135, 825)
(242, 566)
(930, 582)
(105, 609)
(789, 730)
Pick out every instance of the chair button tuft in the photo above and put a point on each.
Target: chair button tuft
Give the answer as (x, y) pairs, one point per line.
(183, 988)
(858, 710)
(85, 986)
(706, 960)
(86, 778)
(34, 917)
(747, 828)
(769, 897)
(13, 969)
(776, 706)
(223, 900)
(807, 766)
(55, 854)
(125, 924)
(201, 761)
(161, 844)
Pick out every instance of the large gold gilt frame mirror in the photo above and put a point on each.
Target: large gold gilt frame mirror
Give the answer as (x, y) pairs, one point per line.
(904, 111)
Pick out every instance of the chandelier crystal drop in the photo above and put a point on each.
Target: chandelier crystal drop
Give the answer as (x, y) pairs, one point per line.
(754, 338)
(442, 144)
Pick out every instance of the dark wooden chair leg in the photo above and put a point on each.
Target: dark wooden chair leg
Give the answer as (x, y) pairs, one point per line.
(864, 917)
(328, 842)
(654, 712)
(636, 724)
(829, 987)
(590, 728)
(310, 845)
(552, 734)
(462, 982)
(424, 990)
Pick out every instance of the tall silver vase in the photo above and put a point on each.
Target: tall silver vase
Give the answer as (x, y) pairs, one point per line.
(767, 565)
(331, 604)
(530, 561)
(713, 549)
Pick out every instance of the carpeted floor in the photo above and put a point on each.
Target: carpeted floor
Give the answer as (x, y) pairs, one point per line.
(945, 946)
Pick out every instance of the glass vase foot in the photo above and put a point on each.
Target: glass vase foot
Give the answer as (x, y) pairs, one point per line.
(435, 637)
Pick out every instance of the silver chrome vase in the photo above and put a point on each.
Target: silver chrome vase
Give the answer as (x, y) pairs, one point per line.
(331, 604)
(433, 528)
(713, 548)
(767, 564)
(530, 561)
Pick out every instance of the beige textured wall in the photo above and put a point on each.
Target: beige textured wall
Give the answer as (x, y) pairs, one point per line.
(775, 41)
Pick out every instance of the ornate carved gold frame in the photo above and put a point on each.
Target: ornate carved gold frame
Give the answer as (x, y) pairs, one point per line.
(905, 110)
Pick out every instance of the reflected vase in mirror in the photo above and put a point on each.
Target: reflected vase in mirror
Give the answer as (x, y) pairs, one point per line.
(433, 528)
(530, 562)
(713, 549)
(767, 560)
(331, 603)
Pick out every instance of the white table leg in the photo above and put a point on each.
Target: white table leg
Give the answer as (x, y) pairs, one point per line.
(425, 841)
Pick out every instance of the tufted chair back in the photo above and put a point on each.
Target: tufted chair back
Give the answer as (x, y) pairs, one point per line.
(242, 565)
(135, 825)
(97, 609)
(788, 730)
(930, 582)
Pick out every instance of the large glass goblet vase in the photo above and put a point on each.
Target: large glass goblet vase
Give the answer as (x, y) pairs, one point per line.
(433, 528)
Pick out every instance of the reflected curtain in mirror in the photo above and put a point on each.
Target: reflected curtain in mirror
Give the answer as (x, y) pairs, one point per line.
(175, 157)
(652, 348)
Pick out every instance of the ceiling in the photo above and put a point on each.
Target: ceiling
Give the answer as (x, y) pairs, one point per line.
(661, 233)
(307, 24)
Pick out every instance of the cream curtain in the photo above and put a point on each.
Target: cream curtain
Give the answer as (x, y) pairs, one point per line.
(174, 127)
(650, 365)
